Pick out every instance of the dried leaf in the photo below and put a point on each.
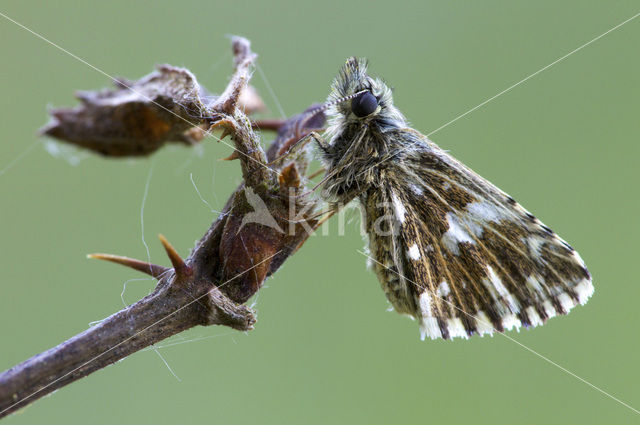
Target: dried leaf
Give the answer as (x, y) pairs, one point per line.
(135, 118)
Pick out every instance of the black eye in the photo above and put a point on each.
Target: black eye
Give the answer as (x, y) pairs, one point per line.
(363, 105)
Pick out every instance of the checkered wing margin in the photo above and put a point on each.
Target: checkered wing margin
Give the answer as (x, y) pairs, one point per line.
(460, 255)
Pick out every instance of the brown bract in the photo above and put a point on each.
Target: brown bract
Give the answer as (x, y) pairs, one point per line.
(134, 118)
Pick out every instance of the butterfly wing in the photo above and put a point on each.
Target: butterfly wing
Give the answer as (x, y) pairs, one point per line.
(460, 255)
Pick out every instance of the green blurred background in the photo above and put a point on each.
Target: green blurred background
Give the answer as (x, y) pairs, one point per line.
(564, 143)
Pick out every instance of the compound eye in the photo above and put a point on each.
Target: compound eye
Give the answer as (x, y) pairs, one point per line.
(363, 105)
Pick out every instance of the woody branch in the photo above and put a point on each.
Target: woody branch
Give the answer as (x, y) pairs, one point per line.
(231, 260)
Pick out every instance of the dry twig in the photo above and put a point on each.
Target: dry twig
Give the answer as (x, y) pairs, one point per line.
(229, 263)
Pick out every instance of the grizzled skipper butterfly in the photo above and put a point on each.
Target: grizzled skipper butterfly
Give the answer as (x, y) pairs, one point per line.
(449, 248)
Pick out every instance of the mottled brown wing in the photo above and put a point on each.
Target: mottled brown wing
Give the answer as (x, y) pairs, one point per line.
(461, 256)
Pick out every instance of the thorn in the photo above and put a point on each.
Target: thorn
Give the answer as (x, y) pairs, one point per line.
(178, 263)
(227, 127)
(231, 157)
(225, 133)
(142, 266)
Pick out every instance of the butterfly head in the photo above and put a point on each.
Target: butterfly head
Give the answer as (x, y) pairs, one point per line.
(358, 98)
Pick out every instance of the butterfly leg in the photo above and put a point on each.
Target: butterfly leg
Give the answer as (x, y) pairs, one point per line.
(270, 125)
(316, 173)
(322, 144)
(290, 148)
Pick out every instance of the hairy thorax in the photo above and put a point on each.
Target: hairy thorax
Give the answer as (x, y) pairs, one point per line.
(356, 160)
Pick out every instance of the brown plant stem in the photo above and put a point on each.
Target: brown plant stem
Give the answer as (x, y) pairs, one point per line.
(221, 273)
(166, 312)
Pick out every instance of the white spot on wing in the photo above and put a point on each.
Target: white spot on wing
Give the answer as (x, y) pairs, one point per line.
(566, 301)
(495, 282)
(456, 234)
(469, 223)
(429, 328)
(483, 324)
(484, 211)
(584, 290)
(510, 321)
(535, 244)
(425, 304)
(398, 207)
(534, 317)
(534, 284)
(443, 289)
(414, 252)
(549, 309)
(416, 189)
(456, 328)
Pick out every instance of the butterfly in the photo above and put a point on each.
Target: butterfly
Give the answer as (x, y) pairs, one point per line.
(449, 248)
